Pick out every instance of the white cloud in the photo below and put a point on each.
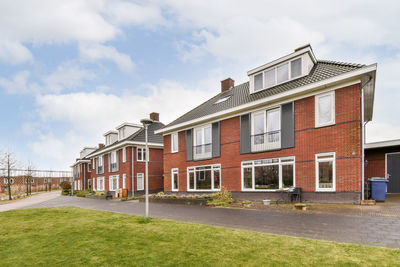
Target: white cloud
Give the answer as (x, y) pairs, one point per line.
(14, 52)
(57, 21)
(19, 84)
(96, 52)
(66, 76)
(88, 115)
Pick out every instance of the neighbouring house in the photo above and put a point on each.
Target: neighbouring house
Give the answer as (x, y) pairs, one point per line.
(297, 122)
(120, 163)
(382, 159)
(81, 170)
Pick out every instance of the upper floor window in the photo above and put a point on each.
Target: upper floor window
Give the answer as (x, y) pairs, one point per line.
(202, 142)
(266, 130)
(100, 164)
(89, 167)
(122, 133)
(114, 161)
(278, 74)
(325, 109)
(141, 154)
(174, 142)
(124, 154)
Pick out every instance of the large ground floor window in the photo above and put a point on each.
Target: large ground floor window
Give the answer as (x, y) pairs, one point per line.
(100, 183)
(204, 178)
(113, 182)
(325, 172)
(268, 174)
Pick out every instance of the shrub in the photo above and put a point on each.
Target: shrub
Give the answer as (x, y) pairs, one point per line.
(82, 193)
(222, 198)
(65, 185)
(66, 188)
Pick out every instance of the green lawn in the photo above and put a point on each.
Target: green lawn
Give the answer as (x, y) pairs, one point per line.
(73, 236)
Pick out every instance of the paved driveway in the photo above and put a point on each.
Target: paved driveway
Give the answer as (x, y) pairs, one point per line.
(376, 231)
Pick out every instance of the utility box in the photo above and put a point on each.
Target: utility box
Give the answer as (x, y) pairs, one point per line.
(124, 193)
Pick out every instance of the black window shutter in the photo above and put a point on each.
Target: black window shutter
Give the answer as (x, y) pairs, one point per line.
(245, 140)
(287, 125)
(216, 146)
(189, 145)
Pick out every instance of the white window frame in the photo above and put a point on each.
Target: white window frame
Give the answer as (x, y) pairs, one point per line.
(203, 155)
(332, 121)
(124, 180)
(173, 172)
(94, 184)
(213, 166)
(89, 167)
(317, 161)
(124, 154)
(137, 181)
(173, 135)
(266, 145)
(281, 161)
(100, 187)
(275, 68)
(94, 164)
(111, 184)
(141, 149)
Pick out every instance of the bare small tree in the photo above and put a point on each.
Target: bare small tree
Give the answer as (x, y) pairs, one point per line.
(28, 176)
(8, 162)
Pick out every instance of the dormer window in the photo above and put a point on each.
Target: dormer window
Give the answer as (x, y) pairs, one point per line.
(278, 74)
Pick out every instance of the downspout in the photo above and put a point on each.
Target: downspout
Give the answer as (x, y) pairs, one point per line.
(84, 177)
(133, 184)
(363, 139)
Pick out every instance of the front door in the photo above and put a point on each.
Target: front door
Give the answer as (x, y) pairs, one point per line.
(393, 172)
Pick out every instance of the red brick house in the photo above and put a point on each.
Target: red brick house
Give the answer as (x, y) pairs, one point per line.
(81, 170)
(120, 163)
(382, 159)
(297, 122)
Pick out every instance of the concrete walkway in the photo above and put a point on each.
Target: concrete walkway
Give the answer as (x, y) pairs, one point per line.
(32, 200)
(374, 231)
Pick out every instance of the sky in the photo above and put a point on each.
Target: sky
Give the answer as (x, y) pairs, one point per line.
(72, 70)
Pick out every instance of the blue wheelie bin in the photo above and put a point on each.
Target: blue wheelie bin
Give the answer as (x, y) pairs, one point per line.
(378, 188)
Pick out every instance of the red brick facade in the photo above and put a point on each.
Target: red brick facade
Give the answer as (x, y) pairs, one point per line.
(344, 138)
(155, 170)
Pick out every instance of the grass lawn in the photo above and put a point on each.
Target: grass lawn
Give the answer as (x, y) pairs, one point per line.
(74, 236)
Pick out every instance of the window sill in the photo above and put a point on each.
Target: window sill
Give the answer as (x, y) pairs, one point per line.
(204, 190)
(265, 190)
(325, 125)
(325, 190)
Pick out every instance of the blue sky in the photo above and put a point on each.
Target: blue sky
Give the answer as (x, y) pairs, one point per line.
(72, 70)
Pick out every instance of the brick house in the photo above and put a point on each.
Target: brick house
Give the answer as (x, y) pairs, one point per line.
(297, 122)
(120, 163)
(81, 170)
(382, 159)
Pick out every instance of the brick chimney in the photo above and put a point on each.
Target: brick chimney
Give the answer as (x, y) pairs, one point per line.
(155, 116)
(101, 145)
(227, 84)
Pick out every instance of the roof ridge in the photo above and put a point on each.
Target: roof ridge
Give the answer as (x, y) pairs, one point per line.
(340, 63)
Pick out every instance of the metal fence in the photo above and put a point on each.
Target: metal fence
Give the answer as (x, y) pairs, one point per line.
(25, 182)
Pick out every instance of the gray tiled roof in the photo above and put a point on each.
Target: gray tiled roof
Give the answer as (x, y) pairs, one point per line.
(139, 136)
(240, 94)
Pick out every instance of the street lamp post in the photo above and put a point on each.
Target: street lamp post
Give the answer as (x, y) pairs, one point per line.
(146, 123)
